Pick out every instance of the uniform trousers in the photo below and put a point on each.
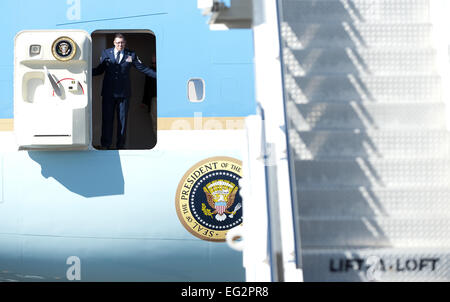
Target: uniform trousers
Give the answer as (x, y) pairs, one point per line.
(110, 105)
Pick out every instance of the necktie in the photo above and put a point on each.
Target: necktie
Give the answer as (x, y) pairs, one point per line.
(118, 57)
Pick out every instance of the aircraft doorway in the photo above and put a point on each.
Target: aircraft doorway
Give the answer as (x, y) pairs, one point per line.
(142, 114)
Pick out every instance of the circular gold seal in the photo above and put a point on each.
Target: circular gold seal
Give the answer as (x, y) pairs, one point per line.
(64, 49)
(207, 201)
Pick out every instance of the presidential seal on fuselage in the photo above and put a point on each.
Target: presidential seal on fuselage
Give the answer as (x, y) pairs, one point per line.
(207, 201)
(64, 49)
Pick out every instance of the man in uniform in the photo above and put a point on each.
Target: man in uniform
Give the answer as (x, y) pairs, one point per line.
(116, 63)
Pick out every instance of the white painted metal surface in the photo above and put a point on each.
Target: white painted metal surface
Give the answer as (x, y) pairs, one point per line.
(51, 95)
(269, 94)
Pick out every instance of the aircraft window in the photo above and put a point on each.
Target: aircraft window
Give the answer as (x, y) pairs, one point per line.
(196, 90)
(141, 123)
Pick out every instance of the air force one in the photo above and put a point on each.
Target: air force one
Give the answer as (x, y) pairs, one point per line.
(69, 211)
(283, 140)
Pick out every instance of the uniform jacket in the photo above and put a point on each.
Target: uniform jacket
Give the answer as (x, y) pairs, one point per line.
(116, 82)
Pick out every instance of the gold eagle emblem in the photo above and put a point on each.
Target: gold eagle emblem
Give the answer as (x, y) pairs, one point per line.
(220, 195)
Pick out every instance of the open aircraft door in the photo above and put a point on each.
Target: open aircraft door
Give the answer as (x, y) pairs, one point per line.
(52, 89)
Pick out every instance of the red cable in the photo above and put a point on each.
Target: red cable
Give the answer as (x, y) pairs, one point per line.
(71, 80)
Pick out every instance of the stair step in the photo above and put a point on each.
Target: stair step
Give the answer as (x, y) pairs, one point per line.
(309, 145)
(354, 115)
(339, 61)
(372, 164)
(387, 264)
(301, 35)
(383, 11)
(379, 89)
(375, 232)
(372, 173)
(372, 202)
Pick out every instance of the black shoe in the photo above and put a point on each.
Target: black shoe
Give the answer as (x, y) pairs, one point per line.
(101, 147)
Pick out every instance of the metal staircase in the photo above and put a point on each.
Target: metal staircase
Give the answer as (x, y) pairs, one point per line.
(364, 84)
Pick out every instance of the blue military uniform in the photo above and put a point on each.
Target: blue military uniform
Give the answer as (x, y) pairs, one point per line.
(116, 91)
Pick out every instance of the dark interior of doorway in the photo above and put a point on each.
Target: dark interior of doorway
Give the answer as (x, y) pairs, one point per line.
(142, 114)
